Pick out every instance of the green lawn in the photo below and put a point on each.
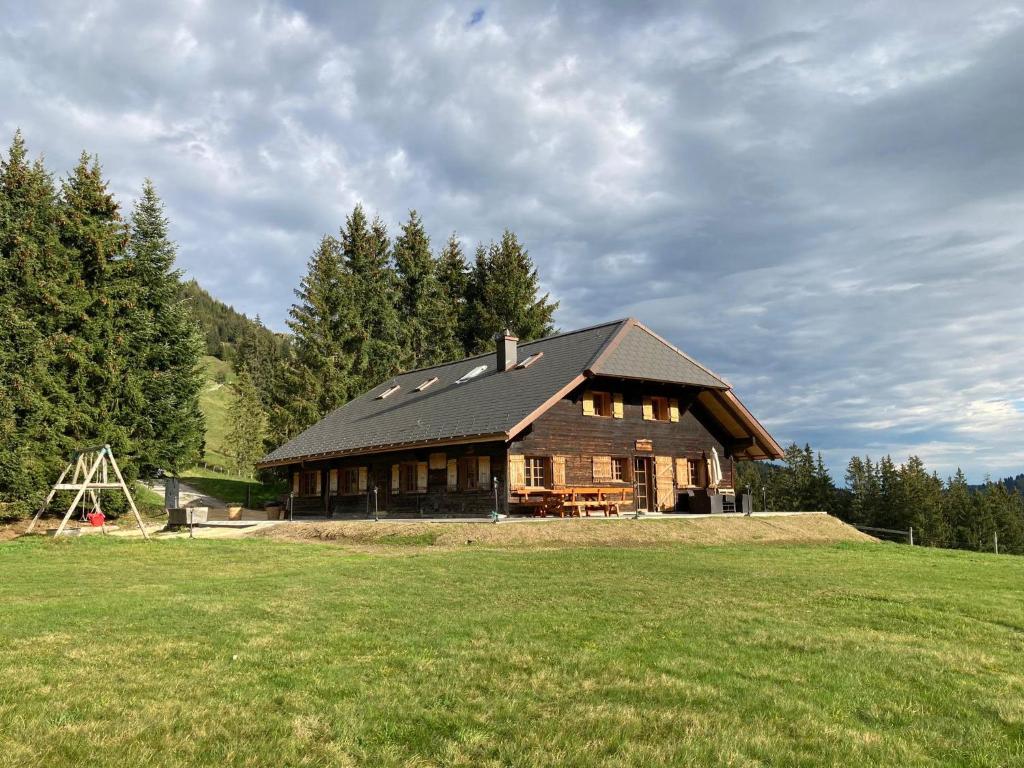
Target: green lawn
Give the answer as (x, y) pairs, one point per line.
(232, 489)
(256, 652)
(214, 401)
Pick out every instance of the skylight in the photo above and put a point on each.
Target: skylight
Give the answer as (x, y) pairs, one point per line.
(389, 391)
(425, 384)
(471, 374)
(530, 360)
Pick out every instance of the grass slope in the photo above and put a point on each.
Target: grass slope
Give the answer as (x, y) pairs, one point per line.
(214, 401)
(256, 652)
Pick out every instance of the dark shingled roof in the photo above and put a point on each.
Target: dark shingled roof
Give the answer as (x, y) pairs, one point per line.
(494, 403)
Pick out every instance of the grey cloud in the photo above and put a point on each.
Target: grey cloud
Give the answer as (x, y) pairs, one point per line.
(822, 202)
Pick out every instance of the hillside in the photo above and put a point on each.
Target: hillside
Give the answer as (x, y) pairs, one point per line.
(215, 400)
(258, 652)
(223, 327)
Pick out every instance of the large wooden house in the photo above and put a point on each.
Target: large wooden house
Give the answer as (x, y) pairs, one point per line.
(610, 418)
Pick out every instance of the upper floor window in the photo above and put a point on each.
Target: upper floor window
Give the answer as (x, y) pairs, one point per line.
(661, 409)
(602, 404)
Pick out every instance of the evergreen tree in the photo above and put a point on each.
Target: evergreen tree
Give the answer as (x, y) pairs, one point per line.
(919, 504)
(324, 325)
(169, 426)
(429, 322)
(247, 426)
(503, 295)
(453, 277)
(376, 346)
(958, 509)
(33, 315)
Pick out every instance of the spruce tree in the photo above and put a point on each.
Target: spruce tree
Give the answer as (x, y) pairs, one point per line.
(376, 347)
(324, 324)
(247, 424)
(169, 426)
(453, 278)
(428, 320)
(33, 316)
(504, 295)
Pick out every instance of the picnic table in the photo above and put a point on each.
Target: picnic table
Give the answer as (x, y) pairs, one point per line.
(576, 501)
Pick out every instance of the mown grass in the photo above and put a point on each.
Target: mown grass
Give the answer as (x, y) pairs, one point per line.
(254, 652)
(215, 401)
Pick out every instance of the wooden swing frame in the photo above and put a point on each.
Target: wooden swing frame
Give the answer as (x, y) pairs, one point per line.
(92, 468)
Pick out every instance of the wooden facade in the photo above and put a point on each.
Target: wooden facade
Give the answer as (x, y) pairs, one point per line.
(573, 443)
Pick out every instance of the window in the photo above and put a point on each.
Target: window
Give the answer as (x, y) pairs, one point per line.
(471, 374)
(309, 482)
(389, 391)
(619, 471)
(426, 384)
(535, 472)
(530, 360)
(349, 481)
(469, 473)
(661, 409)
(602, 403)
(697, 473)
(660, 405)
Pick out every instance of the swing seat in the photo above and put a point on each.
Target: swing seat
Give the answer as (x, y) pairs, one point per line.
(96, 519)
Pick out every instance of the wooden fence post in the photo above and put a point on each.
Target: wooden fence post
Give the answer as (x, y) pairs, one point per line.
(995, 540)
(910, 535)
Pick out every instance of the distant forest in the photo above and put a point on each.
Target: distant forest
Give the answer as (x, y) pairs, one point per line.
(223, 327)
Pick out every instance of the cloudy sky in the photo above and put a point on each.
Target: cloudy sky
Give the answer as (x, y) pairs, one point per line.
(822, 201)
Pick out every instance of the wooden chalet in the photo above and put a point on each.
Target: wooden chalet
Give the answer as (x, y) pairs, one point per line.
(603, 420)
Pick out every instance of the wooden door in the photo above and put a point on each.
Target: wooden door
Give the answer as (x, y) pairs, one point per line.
(642, 485)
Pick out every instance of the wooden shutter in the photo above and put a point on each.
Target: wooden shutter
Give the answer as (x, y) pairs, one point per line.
(483, 472)
(453, 474)
(395, 487)
(648, 406)
(673, 409)
(617, 409)
(664, 487)
(516, 472)
(438, 461)
(421, 476)
(319, 481)
(602, 468)
(588, 403)
(362, 479)
(683, 473)
(333, 481)
(295, 483)
(558, 470)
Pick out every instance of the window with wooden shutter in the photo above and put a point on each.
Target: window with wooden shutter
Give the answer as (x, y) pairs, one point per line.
(620, 469)
(453, 474)
(395, 475)
(558, 470)
(683, 473)
(664, 486)
(438, 461)
(617, 407)
(516, 472)
(333, 481)
(673, 409)
(648, 406)
(295, 483)
(421, 476)
(362, 479)
(602, 468)
(588, 403)
(483, 472)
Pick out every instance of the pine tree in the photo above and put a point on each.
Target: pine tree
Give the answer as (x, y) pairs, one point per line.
(503, 295)
(33, 315)
(376, 347)
(958, 509)
(453, 277)
(247, 426)
(169, 426)
(323, 322)
(429, 322)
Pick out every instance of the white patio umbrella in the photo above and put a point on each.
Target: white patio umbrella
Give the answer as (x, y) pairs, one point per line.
(716, 469)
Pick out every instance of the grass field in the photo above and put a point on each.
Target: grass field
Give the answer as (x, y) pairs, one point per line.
(259, 652)
(214, 401)
(232, 489)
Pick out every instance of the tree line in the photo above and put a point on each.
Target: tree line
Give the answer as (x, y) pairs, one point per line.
(884, 494)
(370, 306)
(95, 342)
(223, 326)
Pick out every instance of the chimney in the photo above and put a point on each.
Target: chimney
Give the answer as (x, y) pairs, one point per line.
(507, 347)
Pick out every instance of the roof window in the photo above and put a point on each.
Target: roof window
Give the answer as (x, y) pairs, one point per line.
(425, 384)
(389, 391)
(530, 360)
(471, 374)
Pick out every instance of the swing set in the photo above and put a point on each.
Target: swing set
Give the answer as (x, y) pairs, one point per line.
(93, 470)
